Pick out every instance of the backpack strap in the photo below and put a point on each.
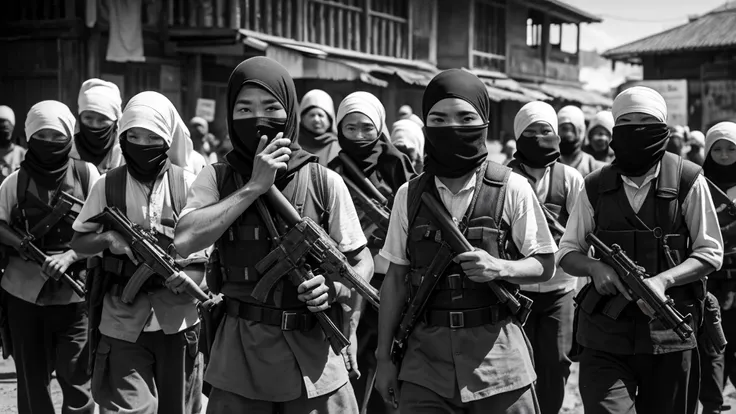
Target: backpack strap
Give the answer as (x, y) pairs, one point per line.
(557, 191)
(221, 172)
(319, 179)
(599, 182)
(177, 188)
(115, 184)
(417, 185)
(81, 174)
(301, 185)
(492, 192)
(676, 177)
(22, 185)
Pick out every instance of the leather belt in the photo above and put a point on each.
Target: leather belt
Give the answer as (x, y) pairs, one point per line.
(458, 319)
(288, 320)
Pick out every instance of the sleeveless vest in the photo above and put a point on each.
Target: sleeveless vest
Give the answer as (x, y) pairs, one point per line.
(31, 208)
(556, 200)
(247, 241)
(482, 225)
(120, 266)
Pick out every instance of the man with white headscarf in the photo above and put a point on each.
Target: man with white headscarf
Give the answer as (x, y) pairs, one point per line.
(557, 187)
(318, 127)
(12, 154)
(657, 207)
(146, 350)
(599, 137)
(97, 138)
(697, 147)
(47, 319)
(572, 134)
(408, 137)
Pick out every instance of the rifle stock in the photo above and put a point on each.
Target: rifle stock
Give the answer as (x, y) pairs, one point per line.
(633, 277)
(154, 260)
(316, 243)
(459, 244)
(363, 183)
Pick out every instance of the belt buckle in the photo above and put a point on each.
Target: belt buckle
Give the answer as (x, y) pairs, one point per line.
(288, 319)
(457, 320)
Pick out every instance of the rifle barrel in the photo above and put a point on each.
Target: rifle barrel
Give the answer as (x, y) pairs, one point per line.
(359, 178)
(287, 212)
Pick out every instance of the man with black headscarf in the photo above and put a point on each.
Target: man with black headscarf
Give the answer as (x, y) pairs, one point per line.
(269, 355)
(657, 208)
(468, 353)
(47, 319)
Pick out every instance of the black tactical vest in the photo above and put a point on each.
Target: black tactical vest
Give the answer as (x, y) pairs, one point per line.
(482, 225)
(246, 241)
(556, 200)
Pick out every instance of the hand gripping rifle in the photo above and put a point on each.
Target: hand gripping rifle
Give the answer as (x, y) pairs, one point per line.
(365, 195)
(453, 244)
(633, 277)
(154, 260)
(305, 239)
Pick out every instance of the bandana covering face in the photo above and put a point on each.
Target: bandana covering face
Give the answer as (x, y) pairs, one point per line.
(377, 155)
(528, 150)
(638, 148)
(724, 176)
(144, 162)
(572, 115)
(93, 144)
(46, 162)
(273, 78)
(467, 144)
(6, 130)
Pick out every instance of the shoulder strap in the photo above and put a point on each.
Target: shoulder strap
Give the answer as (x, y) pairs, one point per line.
(221, 171)
(676, 178)
(301, 185)
(414, 195)
(22, 185)
(81, 173)
(115, 183)
(493, 191)
(557, 193)
(319, 178)
(177, 188)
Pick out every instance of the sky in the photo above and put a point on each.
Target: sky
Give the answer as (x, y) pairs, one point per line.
(627, 20)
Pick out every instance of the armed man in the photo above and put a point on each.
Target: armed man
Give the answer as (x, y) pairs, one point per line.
(269, 353)
(44, 281)
(467, 351)
(657, 209)
(143, 332)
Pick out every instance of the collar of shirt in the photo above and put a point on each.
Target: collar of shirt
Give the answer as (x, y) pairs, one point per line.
(650, 175)
(469, 186)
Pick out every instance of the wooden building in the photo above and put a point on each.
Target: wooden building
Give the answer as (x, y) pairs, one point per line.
(391, 48)
(702, 52)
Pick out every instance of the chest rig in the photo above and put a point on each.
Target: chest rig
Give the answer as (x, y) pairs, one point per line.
(119, 267)
(247, 240)
(482, 225)
(32, 211)
(656, 237)
(556, 200)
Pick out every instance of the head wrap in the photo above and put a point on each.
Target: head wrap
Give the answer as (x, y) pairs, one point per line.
(317, 98)
(697, 138)
(156, 113)
(413, 136)
(602, 119)
(46, 162)
(273, 78)
(640, 99)
(534, 112)
(381, 155)
(101, 97)
(455, 151)
(724, 176)
(7, 113)
(200, 121)
(575, 116)
(417, 120)
(405, 111)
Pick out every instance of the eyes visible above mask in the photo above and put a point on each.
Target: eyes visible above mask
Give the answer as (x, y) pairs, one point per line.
(453, 112)
(357, 126)
(253, 101)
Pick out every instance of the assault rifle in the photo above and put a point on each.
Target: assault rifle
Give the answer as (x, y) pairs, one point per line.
(154, 260)
(334, 335)
(365, 195)
(305, 239)
(633, 277)
(554, 225)
(453, 244)
(23, 243)
(721, 199)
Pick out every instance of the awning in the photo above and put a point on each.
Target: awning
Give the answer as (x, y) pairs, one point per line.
(507, 89)
(308, 61)
(499, 95)
(571, 93)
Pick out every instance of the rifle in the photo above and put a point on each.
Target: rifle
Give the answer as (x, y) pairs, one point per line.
(22, 242)
(334, 335)
(305, 239)
(154, 260)
(721, 199)
(552, 223)
(364, 184)
(366, 197)
(633, 277)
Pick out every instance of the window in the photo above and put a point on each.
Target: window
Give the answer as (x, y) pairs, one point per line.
(489, 35)
(533, 32)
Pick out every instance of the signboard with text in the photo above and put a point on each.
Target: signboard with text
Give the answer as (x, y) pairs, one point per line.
(205, 109)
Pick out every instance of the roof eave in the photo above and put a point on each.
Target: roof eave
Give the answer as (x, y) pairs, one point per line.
(563, 11)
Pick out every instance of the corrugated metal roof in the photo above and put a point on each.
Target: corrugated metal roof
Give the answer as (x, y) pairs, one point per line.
(571, 94)
(713, 30)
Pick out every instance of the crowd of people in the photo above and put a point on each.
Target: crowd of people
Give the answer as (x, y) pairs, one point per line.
(483, 259)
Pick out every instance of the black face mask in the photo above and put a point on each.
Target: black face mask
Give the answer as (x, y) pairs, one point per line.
(454, 151)
(248, 132)
(95, 142)
(569, 147)
(144, 162)
(530, 153)
(638, 148)
(6, 135)
(46, 161)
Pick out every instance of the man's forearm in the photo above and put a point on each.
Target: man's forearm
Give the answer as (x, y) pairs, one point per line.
(393, 295)
(578, 264)
(362, 263)
(89, 244)
(691, 270)
(529, 270)
(202, 227)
